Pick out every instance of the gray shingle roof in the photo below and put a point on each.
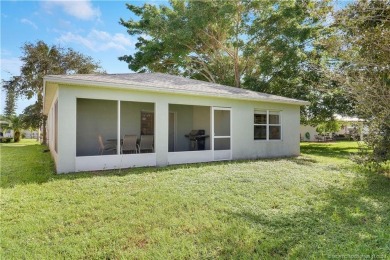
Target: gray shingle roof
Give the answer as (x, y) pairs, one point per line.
(168, 83)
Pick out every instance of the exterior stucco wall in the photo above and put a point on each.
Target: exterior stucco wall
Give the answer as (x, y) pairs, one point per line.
(244, 147)
(50, 123)
(243, 144)
(308, 129)
(66, 130)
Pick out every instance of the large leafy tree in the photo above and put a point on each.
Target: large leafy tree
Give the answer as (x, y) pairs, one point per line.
(40, 59)
(361, 45)
(291, 58)
(199, 39)
(31, 117)
(270, 46)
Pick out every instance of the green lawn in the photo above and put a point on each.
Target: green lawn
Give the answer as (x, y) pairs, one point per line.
(314, 206)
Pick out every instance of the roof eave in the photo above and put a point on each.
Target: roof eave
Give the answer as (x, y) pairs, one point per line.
(142, 87)
(44, 111)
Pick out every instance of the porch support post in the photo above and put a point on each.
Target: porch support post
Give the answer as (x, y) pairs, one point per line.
(161, 120)
(118, 144)
(212, 129)
(67, 114)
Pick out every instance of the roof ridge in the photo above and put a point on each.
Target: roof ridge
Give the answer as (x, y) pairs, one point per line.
(210, 83)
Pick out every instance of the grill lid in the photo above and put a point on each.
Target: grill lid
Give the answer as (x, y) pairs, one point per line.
(197, 134)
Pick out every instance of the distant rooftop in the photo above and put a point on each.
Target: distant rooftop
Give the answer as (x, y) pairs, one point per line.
(168, 83)
(348, 118)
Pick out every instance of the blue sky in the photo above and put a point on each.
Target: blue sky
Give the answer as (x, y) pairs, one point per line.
(89, 27)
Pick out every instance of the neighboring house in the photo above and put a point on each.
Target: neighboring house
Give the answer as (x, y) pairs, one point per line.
(236, 123)
(308, 133)
(28, 134)
(5, 132)
(350, 126)
(9, 133)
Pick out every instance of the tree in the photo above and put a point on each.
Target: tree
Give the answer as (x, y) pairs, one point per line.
(331, 126)
(40, 59)
(264, 45)
(197, 39)
(291, 58)
(15, 123)
(10, 87)
(31, 117)
(362, 47)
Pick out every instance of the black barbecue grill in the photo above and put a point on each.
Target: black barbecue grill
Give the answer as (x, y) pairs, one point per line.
(197, 139)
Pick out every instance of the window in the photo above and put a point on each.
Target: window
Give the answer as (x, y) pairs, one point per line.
(147, 123)
(267, 125)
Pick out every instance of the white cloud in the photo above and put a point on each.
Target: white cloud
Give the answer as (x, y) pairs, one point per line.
(26, 21)
(81, 9)
(98, 40)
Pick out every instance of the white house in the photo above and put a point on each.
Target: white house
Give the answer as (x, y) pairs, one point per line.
(350, 126)
(235, 123)
(308, 133)
(7, 133)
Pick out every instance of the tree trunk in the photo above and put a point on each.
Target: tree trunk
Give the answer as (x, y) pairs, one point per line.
(237, 81)
(16, 136)
(44, 136)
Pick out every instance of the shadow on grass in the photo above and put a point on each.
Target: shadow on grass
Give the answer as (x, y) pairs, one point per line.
(341, 222)
(328, 150)
(302, 160)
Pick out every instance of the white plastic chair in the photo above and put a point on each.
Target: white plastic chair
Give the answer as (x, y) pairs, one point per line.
(105, 147)
(146, 144)
(129, 144)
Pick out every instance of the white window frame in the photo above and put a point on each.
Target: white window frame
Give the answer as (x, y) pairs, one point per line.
(267, 124)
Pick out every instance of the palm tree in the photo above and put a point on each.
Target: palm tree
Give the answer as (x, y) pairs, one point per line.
(16, 126)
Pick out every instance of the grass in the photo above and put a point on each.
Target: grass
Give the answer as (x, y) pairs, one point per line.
(330, 152)
(313, 206)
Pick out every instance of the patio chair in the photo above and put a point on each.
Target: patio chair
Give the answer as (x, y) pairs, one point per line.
(146, 143)
(129, 144)
(105, 147)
